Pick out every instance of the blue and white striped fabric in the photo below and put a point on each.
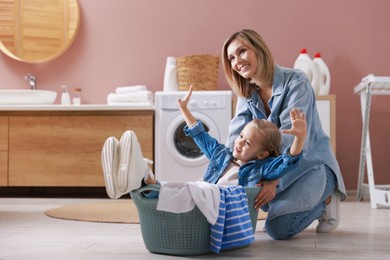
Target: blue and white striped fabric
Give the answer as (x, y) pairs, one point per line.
(234, 226)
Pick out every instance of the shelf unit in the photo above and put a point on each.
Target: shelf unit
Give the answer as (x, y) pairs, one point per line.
(379, 194)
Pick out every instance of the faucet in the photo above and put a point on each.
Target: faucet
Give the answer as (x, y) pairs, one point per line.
(31, 79)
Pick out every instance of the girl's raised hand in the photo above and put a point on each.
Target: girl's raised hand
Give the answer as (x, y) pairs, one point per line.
(184, 102)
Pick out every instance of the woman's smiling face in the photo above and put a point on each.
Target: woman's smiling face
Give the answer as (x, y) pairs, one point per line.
(242, 59)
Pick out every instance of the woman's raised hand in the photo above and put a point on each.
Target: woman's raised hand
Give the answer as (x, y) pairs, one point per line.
(298, 124)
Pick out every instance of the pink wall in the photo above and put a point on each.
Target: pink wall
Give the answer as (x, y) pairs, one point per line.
(126, 42)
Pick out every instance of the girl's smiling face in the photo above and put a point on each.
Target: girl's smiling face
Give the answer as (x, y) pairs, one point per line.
(242, 59)
(247, 145)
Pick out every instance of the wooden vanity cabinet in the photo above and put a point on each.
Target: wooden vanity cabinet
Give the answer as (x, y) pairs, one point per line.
(63, 148)
(3, 151)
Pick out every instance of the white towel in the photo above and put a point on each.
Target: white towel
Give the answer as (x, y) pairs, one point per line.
(127, 89)
(136, 96)
(180, 197)
(207, 198)
(175, 197)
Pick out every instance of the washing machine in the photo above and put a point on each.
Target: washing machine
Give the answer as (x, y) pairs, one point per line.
(177, 157)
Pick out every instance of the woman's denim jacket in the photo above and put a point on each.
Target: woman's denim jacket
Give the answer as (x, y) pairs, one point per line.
(302, 188)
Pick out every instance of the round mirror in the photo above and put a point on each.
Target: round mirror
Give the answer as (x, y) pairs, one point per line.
(37, 31)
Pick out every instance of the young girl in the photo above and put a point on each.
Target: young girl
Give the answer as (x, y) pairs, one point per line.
(255, 155)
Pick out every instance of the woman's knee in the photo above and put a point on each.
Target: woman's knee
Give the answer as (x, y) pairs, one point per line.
(286, 226)
(277, 231)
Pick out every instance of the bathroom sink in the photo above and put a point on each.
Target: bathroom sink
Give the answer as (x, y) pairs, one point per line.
(27, 97)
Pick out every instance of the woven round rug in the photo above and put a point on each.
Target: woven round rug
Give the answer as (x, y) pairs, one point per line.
(112, 211)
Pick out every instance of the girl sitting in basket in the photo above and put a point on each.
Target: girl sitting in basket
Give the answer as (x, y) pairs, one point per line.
(255, 156)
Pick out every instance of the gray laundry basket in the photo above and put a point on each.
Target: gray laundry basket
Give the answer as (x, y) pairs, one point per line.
(178, 233)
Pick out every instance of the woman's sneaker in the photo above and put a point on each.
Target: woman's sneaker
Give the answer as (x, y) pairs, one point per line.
(331, 217)
(132, 166)
(109, 158)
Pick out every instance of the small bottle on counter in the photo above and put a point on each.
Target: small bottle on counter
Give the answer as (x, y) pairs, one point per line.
(77, 97)
(65, 97)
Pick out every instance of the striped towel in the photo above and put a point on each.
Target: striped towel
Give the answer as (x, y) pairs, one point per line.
(234, 226)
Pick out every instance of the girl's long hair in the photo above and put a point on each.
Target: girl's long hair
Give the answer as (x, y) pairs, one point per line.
(269, 136)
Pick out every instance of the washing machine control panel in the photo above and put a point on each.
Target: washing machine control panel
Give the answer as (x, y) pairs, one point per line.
(207, 102)
(199, 100)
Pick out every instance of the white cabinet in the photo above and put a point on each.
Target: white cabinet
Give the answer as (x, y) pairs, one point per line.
(326, 106)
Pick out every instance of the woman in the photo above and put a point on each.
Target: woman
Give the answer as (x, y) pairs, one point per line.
(266, 90)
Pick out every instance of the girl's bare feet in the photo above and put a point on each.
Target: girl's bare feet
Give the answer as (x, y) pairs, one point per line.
(150, 179)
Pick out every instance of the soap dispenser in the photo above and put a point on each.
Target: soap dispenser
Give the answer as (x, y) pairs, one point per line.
(77, 96)
(65, 97)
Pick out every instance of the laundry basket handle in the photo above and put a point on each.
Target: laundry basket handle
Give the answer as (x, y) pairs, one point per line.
(149, 187)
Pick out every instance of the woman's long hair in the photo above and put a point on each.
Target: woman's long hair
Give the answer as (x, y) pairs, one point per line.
(265, 69)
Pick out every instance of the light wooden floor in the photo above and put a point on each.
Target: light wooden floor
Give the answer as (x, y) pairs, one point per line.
(27, 233)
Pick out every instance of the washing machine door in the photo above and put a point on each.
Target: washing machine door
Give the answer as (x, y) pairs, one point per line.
(182, 148)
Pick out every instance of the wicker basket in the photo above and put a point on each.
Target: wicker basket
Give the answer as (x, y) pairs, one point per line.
(177, 234)
(200, 71)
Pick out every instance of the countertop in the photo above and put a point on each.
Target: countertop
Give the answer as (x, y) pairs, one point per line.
(86, 107)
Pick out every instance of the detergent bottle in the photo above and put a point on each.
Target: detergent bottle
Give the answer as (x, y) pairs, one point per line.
(306, 64)
(170, 76)
(323, 86)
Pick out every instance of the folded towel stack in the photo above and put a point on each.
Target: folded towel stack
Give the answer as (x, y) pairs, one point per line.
(130, 95)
